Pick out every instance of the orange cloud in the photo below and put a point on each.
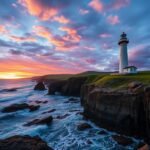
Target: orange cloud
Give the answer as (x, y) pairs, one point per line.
(27, 67)
(42, 32)
(35, 8)
(113, 19)
(97, 5)
(61, 19)
(46, 33)
(60, 42)
(23, 39)
(3, 29)
(72, 34)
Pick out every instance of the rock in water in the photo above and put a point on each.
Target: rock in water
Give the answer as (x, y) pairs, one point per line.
(83, 126)
(23, 143)
(40, 86)
(17, 107)
(45, 120)
(9, 90)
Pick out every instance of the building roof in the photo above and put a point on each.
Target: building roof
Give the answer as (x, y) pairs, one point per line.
(130, 67)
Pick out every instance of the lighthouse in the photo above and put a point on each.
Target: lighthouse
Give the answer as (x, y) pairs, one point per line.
(123, 56)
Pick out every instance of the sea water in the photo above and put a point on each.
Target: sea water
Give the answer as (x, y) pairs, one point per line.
(61, 134)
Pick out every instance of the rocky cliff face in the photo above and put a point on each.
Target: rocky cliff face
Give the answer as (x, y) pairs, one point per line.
(122, 111)
(70, 87)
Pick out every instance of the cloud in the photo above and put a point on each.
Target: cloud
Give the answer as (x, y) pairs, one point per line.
(68, 41)
(42, 32)
(105, 35)
(84, 11)
(22, 38)
(61, 19)
(15, 52)
(97, 5)
(39, 9)
(140, 56)
(72, 34)
(117, 4)
(113, 19)
(2, 29)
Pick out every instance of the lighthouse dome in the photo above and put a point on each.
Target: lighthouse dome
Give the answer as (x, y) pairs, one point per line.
(123, 38)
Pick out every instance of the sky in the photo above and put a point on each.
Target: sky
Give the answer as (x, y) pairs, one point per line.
(39, 37)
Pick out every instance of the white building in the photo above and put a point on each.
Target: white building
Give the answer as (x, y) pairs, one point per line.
(130, 69)
(123, 59)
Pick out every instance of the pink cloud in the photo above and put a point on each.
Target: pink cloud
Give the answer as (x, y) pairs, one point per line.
(113, 19)
(97, 5)
(3, 29)
(42, 31)
(105, 35)
(23, 39)
(61, 19)
(35, 8)
(120, 3)
(72, 34)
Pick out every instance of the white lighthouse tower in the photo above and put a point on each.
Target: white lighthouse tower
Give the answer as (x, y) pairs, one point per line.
(123, 60)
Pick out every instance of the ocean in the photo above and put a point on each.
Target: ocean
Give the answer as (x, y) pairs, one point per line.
(62, 133)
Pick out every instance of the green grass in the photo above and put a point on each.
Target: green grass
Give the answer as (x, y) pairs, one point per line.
(106, 80)
(122, 81)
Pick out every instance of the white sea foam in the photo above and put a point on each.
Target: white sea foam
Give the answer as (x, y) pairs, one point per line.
(61, 134)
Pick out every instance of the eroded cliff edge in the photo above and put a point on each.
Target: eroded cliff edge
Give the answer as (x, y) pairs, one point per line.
(123, 111)
(118, 103)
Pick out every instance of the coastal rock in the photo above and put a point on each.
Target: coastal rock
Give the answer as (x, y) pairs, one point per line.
(134, 84)
(122, 140)
(73, 86)
(9, 90)
(143, 147)
(17, 107)
(49, 111)
(33, 107)
(40, 86)
(70, 87)
(122, 111)
(23, 143)
(56, 86)
(46, 120)
(62, 117)
(83, 126)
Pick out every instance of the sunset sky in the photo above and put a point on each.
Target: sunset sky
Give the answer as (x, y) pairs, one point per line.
(40, 37)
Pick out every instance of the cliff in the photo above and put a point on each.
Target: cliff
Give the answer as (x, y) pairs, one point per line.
(122, 111)
(70, 87)
(119, 103)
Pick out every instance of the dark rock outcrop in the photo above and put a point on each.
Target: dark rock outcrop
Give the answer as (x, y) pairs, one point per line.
(49, 111)
(23, 143)
(83, 126)
(46, 120)
(56, 86)
(73, 86)
(40, 86)
(122, 140)
(9, 90)
(122, 111)
(33, 107)
(17, 107)
(62, 117)
(70, 87)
